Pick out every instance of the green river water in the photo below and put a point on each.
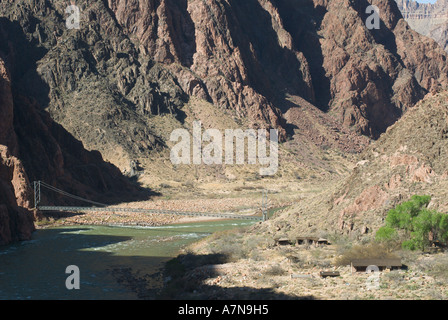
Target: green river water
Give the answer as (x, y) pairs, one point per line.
(35, 269)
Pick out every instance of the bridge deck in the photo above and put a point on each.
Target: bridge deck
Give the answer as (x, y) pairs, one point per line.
(156, 211)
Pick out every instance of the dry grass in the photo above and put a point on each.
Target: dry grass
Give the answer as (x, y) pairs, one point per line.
(372, 250)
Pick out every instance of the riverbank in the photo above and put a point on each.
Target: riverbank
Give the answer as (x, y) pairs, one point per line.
(243, 266)
(240, 206)
(116, 219)
(142, 283)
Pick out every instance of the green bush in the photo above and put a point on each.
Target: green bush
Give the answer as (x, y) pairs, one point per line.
(386, 233)
(401, 217)
(418, 223)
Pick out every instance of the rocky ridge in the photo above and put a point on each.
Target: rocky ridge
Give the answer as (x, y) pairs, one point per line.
(254, 54)
(428, 19)
(34, 147)
(133, 63)
(408, 159)
(107, 89)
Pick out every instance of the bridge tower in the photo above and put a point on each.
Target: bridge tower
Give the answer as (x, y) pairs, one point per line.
(36, 187)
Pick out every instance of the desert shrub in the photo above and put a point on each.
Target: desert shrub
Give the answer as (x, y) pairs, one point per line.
(436, 266)
(318, 253)
(396, 277)
(232, 251)
(439, 269)
(294, 258)
(233, 244)
(165, 186)
(374, 250)
(256, 255)
(319, 257)
(342, 242)
(275, 270)
(188, 184)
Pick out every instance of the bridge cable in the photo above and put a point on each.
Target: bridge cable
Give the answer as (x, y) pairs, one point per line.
(71, 195)
(46, 185)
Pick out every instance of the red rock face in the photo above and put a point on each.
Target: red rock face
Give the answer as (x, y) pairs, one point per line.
(247, 55)
(16, 222)
(209, 39)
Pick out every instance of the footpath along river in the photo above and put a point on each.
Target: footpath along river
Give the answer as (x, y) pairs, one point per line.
(109, 258)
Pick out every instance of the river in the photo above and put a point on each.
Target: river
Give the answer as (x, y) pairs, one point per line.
(107, 257)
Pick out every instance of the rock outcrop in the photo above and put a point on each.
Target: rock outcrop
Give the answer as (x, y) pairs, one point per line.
(34, 147)
(429, 19)
(400, 165)
(408, 159)
(249, 55)
(16, 222)
(133, 62)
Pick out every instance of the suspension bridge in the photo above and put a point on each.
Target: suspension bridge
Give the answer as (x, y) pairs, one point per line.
(101, 207)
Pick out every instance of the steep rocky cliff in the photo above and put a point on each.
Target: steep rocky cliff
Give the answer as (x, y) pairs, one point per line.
(116, 87)
(428, 19)
(409, 159)
(133, 63)
(250, 55)
(16, 223)
(34, 147)
(397, 166)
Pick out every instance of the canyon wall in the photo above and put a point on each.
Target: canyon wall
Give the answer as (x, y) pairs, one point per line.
(78, 105)
(428, 19)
